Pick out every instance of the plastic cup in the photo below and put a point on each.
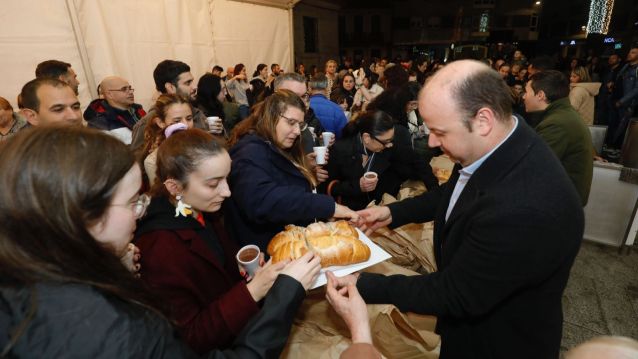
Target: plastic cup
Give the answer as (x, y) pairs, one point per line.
(213, 124)
(327, 136)
(248, 258)
(320, 151)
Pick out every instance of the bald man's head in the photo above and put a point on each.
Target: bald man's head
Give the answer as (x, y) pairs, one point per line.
(472, 85)
(117, 92)
(605, 347)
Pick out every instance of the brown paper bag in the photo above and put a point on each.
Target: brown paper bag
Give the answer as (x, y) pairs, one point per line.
(319, 332)
(412, 245)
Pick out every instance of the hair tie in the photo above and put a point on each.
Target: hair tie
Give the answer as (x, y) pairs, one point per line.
(176, 127)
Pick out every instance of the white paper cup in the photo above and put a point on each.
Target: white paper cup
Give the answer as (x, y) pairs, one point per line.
(248, 258)
(213, 124)
(327, 136)
(370, 176)
(320, 151)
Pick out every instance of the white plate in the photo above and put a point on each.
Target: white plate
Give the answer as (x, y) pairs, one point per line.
(377, 255)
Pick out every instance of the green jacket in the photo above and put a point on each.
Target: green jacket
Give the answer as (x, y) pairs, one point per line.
(569, 138)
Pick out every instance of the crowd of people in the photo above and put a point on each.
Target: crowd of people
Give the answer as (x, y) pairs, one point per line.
(140, 215)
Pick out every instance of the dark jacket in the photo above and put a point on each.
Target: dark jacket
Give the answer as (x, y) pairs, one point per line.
(564, 131)
(104, 117)
(406, 164)
(346, 167)
(504, 255)
(178, 256)
(77, 321)
(268, 192)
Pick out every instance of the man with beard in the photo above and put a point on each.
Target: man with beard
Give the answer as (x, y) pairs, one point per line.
(171, 77)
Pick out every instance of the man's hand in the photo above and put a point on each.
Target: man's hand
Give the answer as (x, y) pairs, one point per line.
(345, 213)
(373, 218)
(342, 294)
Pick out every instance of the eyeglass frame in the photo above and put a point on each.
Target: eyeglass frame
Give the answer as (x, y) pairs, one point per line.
(139, 207)
(124, 89)
(386, 144)
(302, 125)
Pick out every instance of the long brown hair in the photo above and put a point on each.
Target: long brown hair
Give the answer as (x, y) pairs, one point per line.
(57, 182)
(153, 134)
(180, 155)
(263, 123)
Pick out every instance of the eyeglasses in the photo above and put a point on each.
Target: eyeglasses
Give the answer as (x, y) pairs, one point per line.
(386, 143)
(292, 122)
(138, 207)
(124, 89)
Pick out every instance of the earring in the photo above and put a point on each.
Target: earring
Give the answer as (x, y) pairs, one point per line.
(182, 208)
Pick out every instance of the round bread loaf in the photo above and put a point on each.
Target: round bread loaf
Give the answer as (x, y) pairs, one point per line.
(337, 243)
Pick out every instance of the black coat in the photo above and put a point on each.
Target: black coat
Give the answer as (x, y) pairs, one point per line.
(345, 166)
(77, 321)
(503, 255)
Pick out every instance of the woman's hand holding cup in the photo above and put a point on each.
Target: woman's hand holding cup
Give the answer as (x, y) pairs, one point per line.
(368, 182)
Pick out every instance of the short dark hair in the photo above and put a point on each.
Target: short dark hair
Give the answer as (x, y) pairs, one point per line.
(272, 67)
(218, 68)
(395, 77)
(28, 95)
(168, 71)
(483, 88)
(553, 83)
(374, 123)
(51, 69)
(542, 63)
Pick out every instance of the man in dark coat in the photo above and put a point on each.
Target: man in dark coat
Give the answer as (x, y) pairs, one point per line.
(116, 111)
(507, 226)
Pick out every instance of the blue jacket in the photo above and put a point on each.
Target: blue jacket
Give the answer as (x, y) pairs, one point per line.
(331, 116)
(268, 192)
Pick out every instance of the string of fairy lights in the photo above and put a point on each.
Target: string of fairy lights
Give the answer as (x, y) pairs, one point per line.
(599, 16)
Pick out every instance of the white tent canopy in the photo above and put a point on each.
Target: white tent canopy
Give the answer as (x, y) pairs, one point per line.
(129, 37)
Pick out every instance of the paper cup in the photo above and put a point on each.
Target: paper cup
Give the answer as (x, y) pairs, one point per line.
(327, 136)
(248, 258)
(321, 154)
(371, 176)
(213, 124)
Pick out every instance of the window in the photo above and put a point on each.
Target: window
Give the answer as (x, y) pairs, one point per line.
(310, 34)
(375, 24)
(533, 22)
(358, 24)
(401, 23)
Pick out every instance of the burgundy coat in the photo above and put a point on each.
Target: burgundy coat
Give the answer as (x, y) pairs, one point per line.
(210, 303)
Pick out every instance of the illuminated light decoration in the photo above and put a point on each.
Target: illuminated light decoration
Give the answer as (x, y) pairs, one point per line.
(599, 16)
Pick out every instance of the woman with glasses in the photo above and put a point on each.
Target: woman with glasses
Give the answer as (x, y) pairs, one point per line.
(272, 180)
(187, 256)
(359, 151)
(67, 216)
